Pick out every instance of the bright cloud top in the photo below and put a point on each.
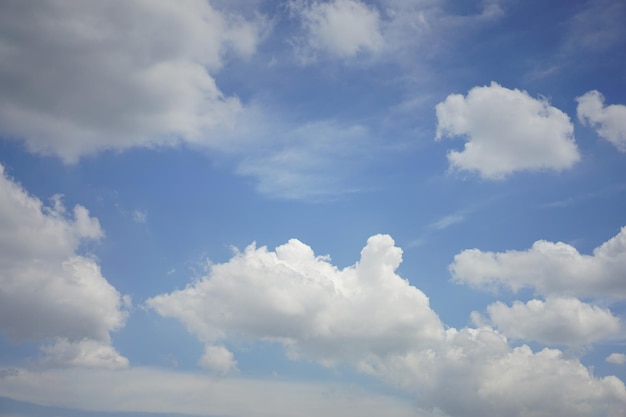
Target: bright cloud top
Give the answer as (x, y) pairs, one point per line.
(343, 28)
(86, 77)
(608, 121)
(506, 131)
(550, 268)
(48, 289)
(367, 316)
(315, 310)
(555, 321)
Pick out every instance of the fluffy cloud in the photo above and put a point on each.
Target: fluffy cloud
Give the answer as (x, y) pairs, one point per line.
(550, 268)
(79, 78)
(342, 28)
(608, 121)
(506, 131)
(555, 321)
(616, 358)
(218, 359)
(474, 373)
(48, 289)
(315, 310)
(367, 316)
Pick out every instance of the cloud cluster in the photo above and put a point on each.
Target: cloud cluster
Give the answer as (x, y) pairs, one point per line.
(558, 272)
(368, 316)
(81, 78)
(506, 131)
(49, 290)
(608, 121)
(475, 373)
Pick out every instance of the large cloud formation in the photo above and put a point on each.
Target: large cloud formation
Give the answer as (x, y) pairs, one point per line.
(82, 77)
(608, 121)
(49, 290)
(315, 310)
(506, 131)
(369, 317)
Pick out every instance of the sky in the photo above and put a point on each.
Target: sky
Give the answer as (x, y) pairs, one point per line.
(256, 208)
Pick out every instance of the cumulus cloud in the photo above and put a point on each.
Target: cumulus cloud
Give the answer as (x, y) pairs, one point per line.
(616, 358)
(555, 321)
(549, 268)
(608, 121)
(342, 28)
(475, 373)
(49, 290)
(368, 317)
(298, 299)
(218, 359)
(506, 131)
(80, 78)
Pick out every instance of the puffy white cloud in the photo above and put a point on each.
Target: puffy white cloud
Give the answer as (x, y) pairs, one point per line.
(301, 300)
(368, 317)
(342, 28)
(218, 359)
(608, 121)
(506, 131)
(48, 289)
(555, 321)
(475, 373)
(616, 358)
(550, 268)
(80, 78)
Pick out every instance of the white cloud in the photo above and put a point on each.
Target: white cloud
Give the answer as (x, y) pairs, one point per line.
(342, 28)
(81, 78)
(608, 121)
(550, 268)
(555, 321)
(368, 317)
(616, 358)
(146, 390)
(48, 289)
(506, 131)
(84, 353)
(474, 373)
(302, 301)
(218, 359)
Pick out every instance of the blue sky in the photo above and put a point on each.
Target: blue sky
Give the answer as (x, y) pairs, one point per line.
(343, 208)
